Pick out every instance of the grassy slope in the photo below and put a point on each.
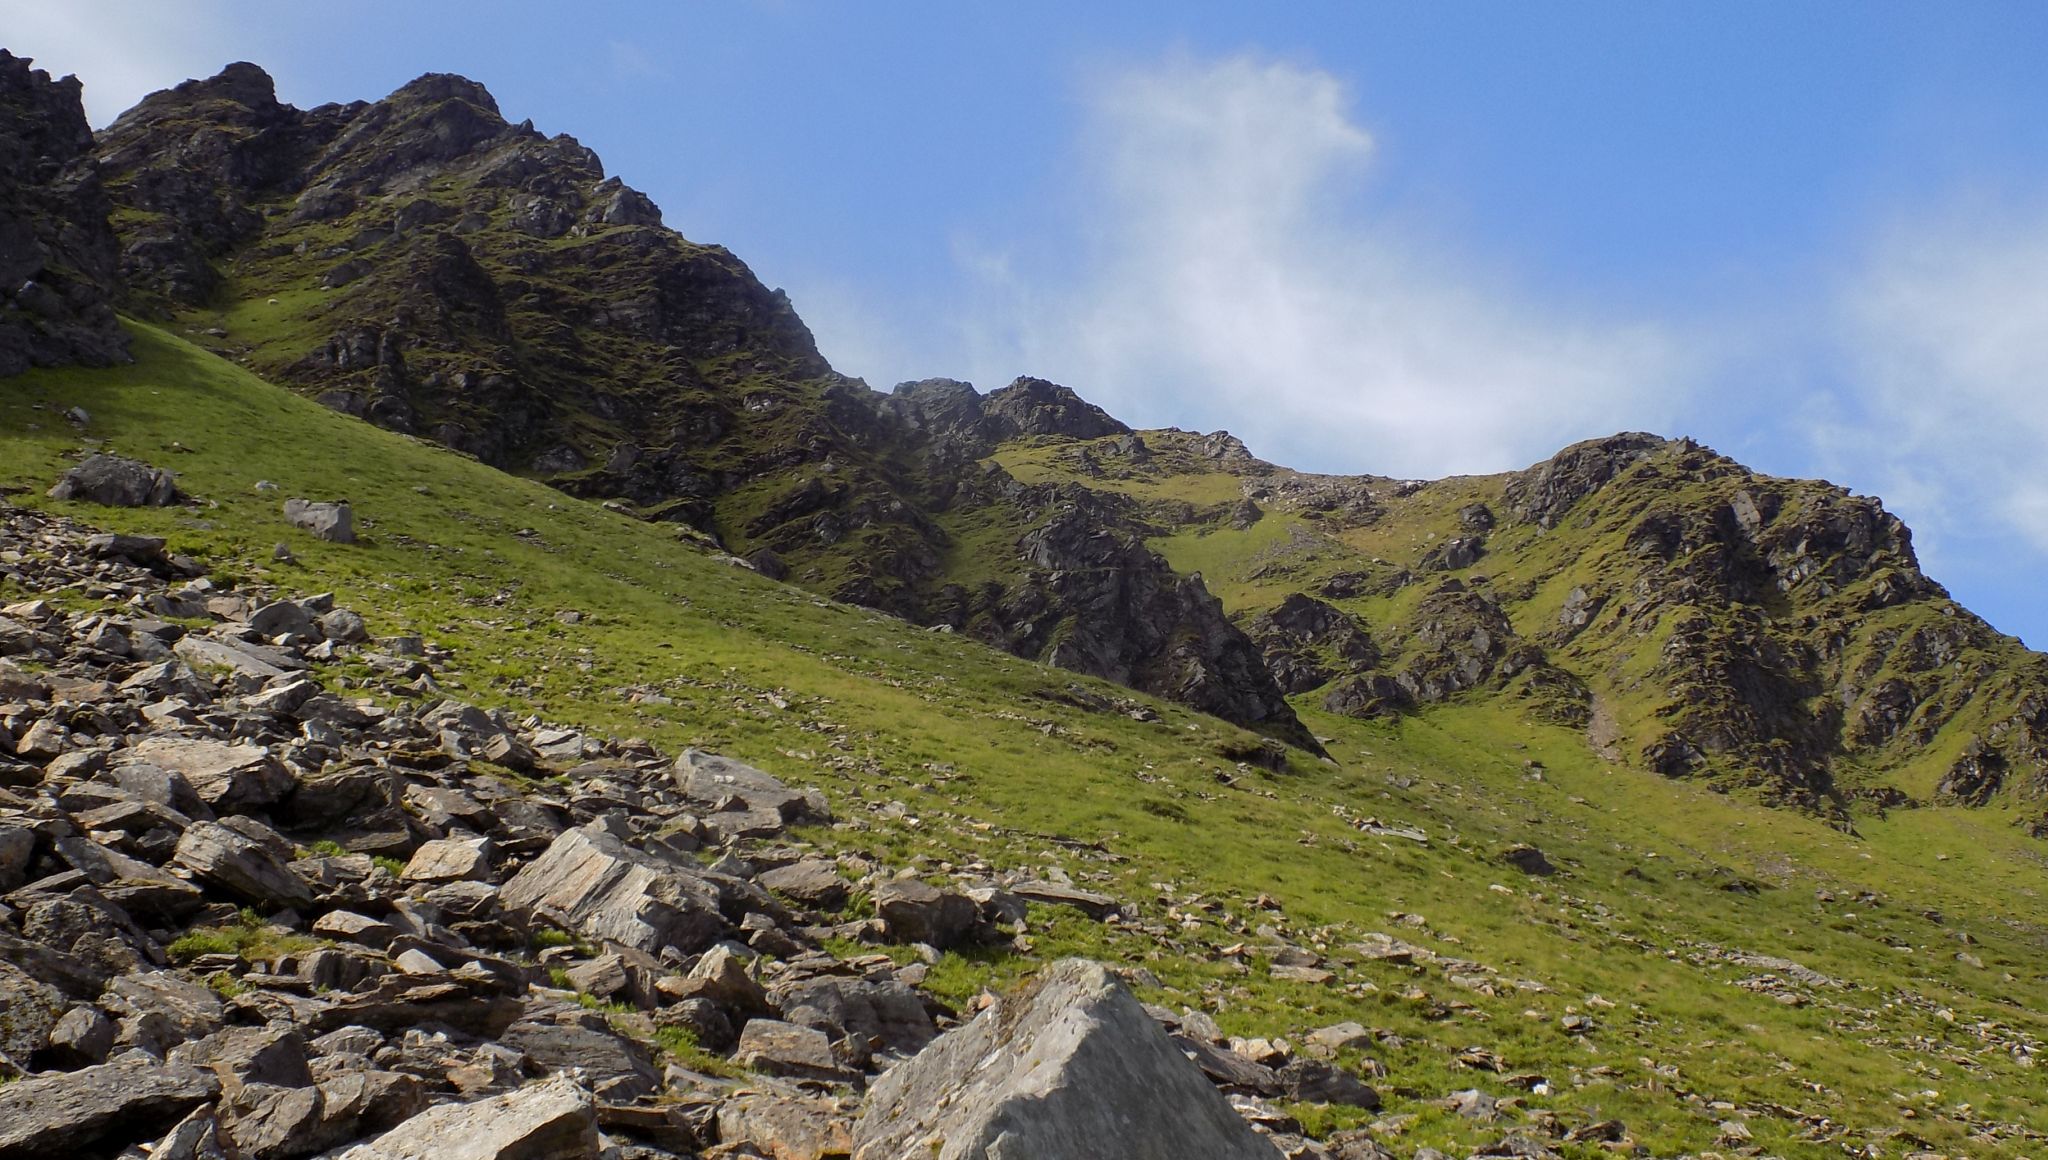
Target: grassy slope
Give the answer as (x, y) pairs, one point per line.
(878, 713)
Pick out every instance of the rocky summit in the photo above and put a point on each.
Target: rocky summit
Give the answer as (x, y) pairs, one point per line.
(475, 682)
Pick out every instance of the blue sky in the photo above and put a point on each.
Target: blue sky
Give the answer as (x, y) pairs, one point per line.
(1412, 239)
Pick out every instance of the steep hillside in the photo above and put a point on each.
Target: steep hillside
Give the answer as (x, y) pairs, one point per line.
(1692, 617)
(1695, 961)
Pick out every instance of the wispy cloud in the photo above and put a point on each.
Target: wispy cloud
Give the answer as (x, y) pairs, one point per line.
(1231, 275)
(122, 49)
(1944, 329)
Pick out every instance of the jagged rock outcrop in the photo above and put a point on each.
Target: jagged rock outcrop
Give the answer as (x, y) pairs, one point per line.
(58, 256)
(1101, 603)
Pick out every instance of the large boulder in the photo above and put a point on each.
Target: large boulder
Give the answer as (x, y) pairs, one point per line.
(1068, 1069)
(117, 482)
(591, 882)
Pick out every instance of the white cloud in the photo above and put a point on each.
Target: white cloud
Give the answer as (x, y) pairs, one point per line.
(122, 49)
(1945, 325)
(1231, 276)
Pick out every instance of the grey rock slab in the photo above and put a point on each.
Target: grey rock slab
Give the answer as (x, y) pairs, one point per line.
(450, 860)
(594, 884)
(228, 778)
(1067, 1069)
(255, 660)
(553, 1120)
(241, 866)
(331, 520)
(99, 1108)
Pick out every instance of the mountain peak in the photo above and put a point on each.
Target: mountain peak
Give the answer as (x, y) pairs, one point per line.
(436, 88)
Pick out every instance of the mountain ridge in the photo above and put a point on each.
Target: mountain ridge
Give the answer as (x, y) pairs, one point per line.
(423, 263)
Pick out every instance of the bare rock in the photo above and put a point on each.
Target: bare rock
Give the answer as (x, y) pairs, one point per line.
(554, 1120)
(117, 482)
(228, 778)
(241, 866)
(592, 883)
(98, 1109)
(333, 521)
(1071, 1067)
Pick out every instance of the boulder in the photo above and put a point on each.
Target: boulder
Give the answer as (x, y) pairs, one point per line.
(450, 860)
(228, 778)
(29, 1012)
(737, 800)
(590, 882)
(811, 881)
(98, 1109)
(618, 1069)
(878, 1016)
(117, 482)
(1069, 1068)
(916, 912)
(555, 1120)
(773, 1047)
(330, 520)
(786, 1127)
(240, 865)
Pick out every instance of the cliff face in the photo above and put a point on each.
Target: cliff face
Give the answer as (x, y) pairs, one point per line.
(57, 253)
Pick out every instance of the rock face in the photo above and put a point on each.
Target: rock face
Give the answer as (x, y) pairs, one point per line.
(1072, 1067)
(58, 256)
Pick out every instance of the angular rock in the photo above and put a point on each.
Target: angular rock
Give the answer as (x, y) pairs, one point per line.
(228, 778)
(811, 881)
(450, 860)
(553, 1120)
(878, 1015)
(618, 1069)
(773, 1047)
(98, 1108)
(592, 883)
(916, 912)
(233, 862)
(786, 1127)
(1071, 1067)
(30, 1011)
(333, 521)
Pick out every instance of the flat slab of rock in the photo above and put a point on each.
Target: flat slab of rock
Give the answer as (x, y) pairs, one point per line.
(1070, 1068)
(555, 1120)
(98, 1109)
(594, 884)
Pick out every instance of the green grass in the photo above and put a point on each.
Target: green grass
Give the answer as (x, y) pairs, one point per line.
(687, 650)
